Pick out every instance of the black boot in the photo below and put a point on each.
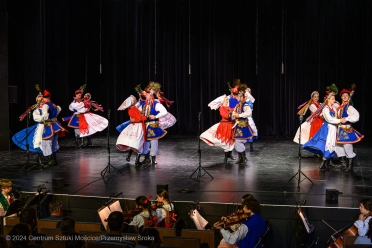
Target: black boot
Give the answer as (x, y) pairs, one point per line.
(138, 163)
(230, 156)
(251, 146)
(78, 141)
(350, 164)
(153, 160)
(330, 164)
(343, 164)
(323, 165)
(226, 157)
(39, 162)
(51, 160)
(129, 155)
(147, 160)
(55, 158)
(240, 159)
(244, 159)
(89, 141)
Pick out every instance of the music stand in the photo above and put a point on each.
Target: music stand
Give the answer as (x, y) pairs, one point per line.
(16, 206)
(108, 168)
(28, 149)
(37, 199)
(200, 168)
(299, 172)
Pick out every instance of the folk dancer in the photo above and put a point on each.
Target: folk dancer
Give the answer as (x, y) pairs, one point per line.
(134, 135)
(324, 141)
(250, 100)
(153, 110)
(346, 134)
(311, 126)
(242, 130)
(24, 138)
(83, 121)
(221, 134)
(46, 136)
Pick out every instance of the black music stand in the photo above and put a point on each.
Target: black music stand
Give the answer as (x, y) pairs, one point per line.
(200, 168)
(108, 168)
(28, 149)
(38, 198)
(17, 206)
(299, 172)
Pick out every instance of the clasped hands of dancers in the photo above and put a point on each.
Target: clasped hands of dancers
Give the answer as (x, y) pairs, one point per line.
(328, 130)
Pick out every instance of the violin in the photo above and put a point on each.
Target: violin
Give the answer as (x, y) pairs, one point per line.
(237, 217)
(131, 213)
(156, 205)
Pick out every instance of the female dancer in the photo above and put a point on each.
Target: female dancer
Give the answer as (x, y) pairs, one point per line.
(83, 121)
(134, 135)
(310, 127)
(221, 134)
(324, 141)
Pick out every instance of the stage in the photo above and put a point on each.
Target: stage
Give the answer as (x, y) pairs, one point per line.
(268, 175)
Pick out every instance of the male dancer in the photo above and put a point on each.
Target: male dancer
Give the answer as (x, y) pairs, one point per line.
(153, 110)
(346, 134)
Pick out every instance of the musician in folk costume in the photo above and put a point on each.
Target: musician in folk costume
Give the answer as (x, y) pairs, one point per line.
(309, 128)
(84, 122)
(241, 112)
(221, 134)
(346, 134)
(133, 135)
(324, 141)
(46, 136)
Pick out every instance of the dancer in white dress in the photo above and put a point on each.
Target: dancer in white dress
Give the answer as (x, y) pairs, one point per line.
(83, 120)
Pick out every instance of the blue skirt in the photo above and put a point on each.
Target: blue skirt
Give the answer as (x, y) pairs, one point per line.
(26, 136)
(317, 144)
(122, 126)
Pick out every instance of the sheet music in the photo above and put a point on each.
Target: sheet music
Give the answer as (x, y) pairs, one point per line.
(105, 211)
(308, 228)
(199, 221)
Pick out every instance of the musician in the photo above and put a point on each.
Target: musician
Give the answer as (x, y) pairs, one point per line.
(115, 224)
(165, 214)
(364, 221)
(249, 232)
(5, 198)
(141, 219)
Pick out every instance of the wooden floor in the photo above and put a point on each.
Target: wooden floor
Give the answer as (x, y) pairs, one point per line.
(268, 174)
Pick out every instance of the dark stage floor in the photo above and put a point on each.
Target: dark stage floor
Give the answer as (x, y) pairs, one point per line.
(266, 175)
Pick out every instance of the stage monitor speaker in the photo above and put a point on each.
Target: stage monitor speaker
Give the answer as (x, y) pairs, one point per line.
(332, 195)
(160, 187)
(13, 94)
(58, 183)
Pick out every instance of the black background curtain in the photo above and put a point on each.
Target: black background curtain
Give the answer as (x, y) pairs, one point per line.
(282, 49)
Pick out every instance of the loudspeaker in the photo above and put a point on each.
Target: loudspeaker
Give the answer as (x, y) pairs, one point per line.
(58, 183)
(332, 195)
(160, 187)
(13, 94)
